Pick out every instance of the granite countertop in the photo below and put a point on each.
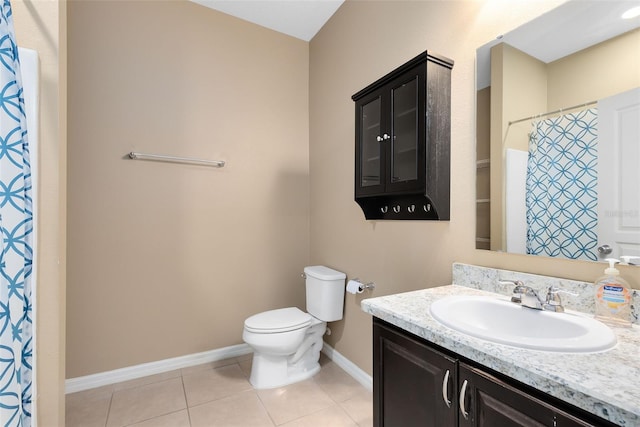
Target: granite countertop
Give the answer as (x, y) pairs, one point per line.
(606, 384)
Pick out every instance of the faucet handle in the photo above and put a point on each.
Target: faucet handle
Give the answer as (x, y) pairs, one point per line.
(511, 282)
(553, 301)
(554, 290)
(518, 290)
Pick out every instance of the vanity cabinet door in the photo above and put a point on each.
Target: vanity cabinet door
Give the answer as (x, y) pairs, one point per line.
(489, 402)
(414, 385)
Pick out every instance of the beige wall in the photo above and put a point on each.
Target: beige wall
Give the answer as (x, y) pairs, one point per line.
(40, 25)
(362, 42)
(595, 73)
(166, 259)
(511, 100)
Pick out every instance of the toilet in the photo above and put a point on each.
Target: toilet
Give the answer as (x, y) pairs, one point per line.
(286, 342)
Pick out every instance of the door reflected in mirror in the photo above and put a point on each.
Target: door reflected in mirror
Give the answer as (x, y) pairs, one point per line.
(558, 135)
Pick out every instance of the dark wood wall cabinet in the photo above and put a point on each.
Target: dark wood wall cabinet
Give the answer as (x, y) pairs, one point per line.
(403, 141)
(417, 384)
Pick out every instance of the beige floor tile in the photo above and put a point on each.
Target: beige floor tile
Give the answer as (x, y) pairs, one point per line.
(337, 383)
(360, 408)
(334, 416)
(243, 409)
(149, 401)
(176, 419)
(207, 366)
(245, 365)
(150, 379)
(219, 394)
(211, 384)
(294, 401)
(244, 357)
(88, 408)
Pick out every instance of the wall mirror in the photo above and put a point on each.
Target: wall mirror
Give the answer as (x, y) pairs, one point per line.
(558, 135)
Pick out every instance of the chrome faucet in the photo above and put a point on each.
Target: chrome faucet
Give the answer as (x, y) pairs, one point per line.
(528, 297)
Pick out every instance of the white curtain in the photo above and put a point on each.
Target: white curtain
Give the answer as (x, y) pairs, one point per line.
(16, 226)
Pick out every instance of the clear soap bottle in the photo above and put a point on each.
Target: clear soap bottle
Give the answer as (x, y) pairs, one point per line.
(613, 297)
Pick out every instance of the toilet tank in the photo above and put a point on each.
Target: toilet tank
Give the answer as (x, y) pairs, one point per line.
(325, 292)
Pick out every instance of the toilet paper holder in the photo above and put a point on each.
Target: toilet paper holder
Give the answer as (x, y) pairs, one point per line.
(364, 286)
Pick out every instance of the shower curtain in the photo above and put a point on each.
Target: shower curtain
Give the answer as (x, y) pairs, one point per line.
(16, 226)
(561, 194)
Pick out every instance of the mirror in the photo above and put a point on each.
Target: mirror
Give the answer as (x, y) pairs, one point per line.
(558, 135)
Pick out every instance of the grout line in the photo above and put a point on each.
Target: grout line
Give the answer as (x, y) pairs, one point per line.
(186, 401)
(153, 418)
(106, 420)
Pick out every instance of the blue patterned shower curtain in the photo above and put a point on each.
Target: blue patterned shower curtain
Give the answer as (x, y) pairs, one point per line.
(16, 225)
(561, 194)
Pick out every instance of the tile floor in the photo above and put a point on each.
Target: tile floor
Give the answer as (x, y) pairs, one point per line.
(219, 394)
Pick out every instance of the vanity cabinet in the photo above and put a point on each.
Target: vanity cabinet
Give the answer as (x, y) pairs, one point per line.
(415, 383)
(402, 156)
(411, 381)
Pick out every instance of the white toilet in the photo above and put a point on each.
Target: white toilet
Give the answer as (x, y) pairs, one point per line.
(286, 342)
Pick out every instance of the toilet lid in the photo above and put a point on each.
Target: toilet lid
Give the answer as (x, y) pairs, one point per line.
(280, 320)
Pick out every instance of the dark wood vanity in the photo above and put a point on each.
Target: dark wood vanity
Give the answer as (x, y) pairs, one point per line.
(417, 383)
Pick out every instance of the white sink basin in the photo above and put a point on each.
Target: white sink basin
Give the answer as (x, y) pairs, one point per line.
(509, 323)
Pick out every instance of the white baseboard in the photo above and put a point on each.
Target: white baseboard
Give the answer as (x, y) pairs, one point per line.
(73, 385)
(349, 367)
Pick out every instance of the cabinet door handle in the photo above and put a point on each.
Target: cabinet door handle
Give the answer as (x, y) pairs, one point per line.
(445, 389)
(463, 391)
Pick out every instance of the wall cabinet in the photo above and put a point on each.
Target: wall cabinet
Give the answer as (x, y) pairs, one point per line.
(416, 384)
(402, 168)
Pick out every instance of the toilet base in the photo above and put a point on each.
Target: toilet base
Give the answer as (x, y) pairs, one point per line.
(268, 371)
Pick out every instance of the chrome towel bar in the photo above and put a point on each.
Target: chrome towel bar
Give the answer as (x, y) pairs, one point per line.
(161, 158)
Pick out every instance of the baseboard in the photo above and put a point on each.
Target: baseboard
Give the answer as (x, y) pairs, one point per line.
(349, 367)
(73, 385)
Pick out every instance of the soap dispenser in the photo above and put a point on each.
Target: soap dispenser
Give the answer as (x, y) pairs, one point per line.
(613, 297)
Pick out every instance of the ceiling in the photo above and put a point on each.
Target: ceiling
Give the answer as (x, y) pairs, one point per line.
(301, 19)
(569, 28)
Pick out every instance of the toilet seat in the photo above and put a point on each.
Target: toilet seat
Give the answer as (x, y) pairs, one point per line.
(276, 321)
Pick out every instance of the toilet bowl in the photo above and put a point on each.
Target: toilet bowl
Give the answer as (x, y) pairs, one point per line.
(286, 342)
(286, 353)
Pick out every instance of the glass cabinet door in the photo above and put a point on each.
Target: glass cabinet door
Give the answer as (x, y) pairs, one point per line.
(370, 144)
(405, 121)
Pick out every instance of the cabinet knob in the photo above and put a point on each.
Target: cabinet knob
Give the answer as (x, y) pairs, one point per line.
(379, 138)
(427, 207)
(386, 136)
(411, 208)
(384, 209)
(396, 209)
